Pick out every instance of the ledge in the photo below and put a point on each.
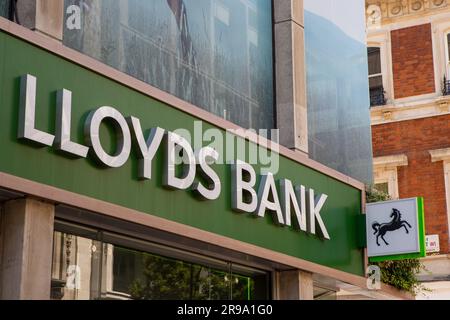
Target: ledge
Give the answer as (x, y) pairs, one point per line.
(410, 109)
(440, 155)
(390, 161)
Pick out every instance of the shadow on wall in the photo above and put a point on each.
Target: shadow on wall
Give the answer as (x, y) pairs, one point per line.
(338, 98)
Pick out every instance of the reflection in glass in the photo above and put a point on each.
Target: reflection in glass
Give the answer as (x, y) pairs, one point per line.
(4, 8)
(75, 267)
(150, 277)
(215, 54)
(87, 269)
(338, 96)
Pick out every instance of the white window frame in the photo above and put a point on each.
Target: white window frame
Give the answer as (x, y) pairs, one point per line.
(385, 171)
(447, 55)
(377, 74)
(440, 29)
(444, 156)
(383, 41)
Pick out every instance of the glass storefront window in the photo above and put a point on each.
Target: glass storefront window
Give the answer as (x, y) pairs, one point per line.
(85, 268)
(214, 54)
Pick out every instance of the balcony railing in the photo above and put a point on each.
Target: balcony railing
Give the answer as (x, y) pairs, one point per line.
(377, 97)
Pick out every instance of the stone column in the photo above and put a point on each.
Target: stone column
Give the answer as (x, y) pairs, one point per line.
(26, 252)
(290, 75)
(44, 16)
(295, 285)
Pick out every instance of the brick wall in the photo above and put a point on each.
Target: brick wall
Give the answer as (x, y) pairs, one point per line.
(421, 177)
(412, 61)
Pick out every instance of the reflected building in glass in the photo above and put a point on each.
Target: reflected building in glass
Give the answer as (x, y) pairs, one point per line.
(337, 86)
(214, 54)
(218, 56)
(84, 268)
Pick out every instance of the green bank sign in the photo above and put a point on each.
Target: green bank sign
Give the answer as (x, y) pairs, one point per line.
(65, 126)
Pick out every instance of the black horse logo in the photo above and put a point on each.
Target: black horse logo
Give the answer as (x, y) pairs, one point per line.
(395, 224)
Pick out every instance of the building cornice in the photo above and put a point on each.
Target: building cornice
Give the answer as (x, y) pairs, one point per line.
(382, 12)
(440, 155)
(392, 161)
(410, 110)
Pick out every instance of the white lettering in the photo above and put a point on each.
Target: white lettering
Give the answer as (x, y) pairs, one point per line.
(170, 179)
(315, 205)
(240, 171)
(27, 114)
(268, 189)
(63, 141)
(289, 202)
(212, 191)
(147, 149)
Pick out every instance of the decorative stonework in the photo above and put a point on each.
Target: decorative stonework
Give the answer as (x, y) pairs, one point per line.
(410, 110)
(382, 10)
(387, 115)
(443, 104)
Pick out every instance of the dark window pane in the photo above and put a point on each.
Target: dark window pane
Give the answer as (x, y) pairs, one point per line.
(448, 45)
(375, 82)
(374, 60)
(210, 284)
(382, 187)
(242, 288)
(377, 97)
(148, 277)
(4, 8)
(84, 269)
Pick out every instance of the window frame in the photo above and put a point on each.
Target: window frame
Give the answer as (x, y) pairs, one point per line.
(376, 75)
(447, 53)
(382, 40)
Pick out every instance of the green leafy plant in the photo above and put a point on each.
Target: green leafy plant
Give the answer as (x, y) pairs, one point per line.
(401, 274)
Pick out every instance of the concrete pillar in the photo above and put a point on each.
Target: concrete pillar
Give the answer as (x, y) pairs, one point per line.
(295, 285)
(44, 16)
(290, 74)
(26, 253)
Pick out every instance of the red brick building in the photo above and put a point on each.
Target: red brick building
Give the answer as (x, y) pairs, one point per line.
(409, 64)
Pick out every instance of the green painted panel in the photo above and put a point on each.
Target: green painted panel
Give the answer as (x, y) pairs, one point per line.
(121, 186)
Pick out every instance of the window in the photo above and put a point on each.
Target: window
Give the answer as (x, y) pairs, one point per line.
(385, 171)
(201, 51)
(85, 268)
(377, 97)
(448, 54)
(382, 187)
(446, 83)
(5, 8)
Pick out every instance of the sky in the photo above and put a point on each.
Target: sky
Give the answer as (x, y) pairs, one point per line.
(349, 15)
